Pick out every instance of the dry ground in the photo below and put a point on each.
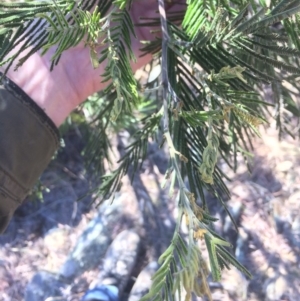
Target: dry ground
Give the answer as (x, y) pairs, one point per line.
(266, 205)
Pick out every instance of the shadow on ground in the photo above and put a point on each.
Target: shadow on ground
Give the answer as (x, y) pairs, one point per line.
(264, 204)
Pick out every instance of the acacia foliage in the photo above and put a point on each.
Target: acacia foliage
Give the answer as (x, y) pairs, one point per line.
(216, 57)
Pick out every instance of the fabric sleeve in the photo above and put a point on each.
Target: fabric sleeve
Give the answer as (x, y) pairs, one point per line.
(28, 141)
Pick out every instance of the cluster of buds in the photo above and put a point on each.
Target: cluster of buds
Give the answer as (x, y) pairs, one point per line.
(193, 276)
(210, 156)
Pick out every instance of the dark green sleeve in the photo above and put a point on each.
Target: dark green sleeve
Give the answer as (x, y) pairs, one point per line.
(28, 141)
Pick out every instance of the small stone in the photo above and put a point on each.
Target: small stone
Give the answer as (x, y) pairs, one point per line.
(284, 166)
(154, 73)
(275, 288)
(55, 239)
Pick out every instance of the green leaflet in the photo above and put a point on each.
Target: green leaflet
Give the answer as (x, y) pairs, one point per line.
(67, 35)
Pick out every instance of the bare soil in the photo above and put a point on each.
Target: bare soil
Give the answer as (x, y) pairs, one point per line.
(265, 204)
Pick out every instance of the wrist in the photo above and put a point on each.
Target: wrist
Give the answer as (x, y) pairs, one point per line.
(41, 85)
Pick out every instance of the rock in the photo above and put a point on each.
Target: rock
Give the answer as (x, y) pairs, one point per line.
(285, 166)
(275, 288)
(143, 282)
(242, 244)
(235, 283)
(279, 219)
(295, 231)
(93, 242)
(42, 286)
(154, 73)
(119, 260)
(56, 239)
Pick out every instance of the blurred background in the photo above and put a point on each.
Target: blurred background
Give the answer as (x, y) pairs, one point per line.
(58, 247)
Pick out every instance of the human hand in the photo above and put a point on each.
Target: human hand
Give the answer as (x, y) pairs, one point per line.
(74, 78)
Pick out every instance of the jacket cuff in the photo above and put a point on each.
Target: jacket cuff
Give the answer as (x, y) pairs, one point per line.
(28, 141)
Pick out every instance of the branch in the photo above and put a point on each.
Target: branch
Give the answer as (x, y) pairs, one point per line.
(164, 61)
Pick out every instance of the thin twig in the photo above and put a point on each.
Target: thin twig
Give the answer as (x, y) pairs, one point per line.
(164, 61)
